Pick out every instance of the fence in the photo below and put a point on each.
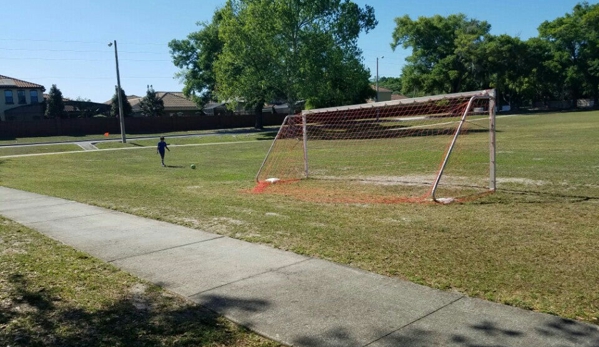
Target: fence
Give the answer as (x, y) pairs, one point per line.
(133, 125)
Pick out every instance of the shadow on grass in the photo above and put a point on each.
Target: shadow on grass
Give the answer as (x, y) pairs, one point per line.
(537, 197)
(269, 136)
(37, 318)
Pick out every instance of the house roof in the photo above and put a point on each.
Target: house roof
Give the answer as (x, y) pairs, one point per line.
(381, 89)
(11, 82)
(173, 101)
(396, 96)
(176, 100)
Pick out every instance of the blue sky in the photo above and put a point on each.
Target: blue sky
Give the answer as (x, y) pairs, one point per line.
(65, 42)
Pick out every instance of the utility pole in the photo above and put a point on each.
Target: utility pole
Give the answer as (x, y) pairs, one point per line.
(377, 77)
(118, 93)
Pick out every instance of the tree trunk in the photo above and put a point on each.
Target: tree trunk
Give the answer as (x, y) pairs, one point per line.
(596, 96)
(258, 114)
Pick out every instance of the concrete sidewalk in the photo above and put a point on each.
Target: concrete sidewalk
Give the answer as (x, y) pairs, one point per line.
(289, 298)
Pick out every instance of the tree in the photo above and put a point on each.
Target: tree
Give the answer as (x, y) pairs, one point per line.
(195, 56)
(279, 50)
(54, 104)
(151, 105)
(574, 39)
(114, 108)
(85, 107)
(392, 83)
(508, 65)
(445, 53)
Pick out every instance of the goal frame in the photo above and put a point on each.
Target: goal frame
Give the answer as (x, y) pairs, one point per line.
(489, 95)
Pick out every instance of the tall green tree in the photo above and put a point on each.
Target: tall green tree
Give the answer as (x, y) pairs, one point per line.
(574, 39)
(55, 104)
(195, 56)
(151, 105)
(509, 65)
(114, 108)
(446, 53)
(279, 50)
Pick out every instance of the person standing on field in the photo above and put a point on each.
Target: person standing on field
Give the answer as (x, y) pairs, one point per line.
(162, 146)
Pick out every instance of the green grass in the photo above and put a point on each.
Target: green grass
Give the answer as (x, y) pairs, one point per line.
(52, 295)
(7, 151)
(533, 244)
(178, 141)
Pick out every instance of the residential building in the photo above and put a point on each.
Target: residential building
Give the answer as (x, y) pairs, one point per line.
(175, 104)
(18, 93)
(384, 94)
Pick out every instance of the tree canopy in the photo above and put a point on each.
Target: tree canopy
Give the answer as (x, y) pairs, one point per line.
(195, 56)
(444, 52)
(454, 53)
(114, 108)
(151, 105)
(257, 51)
(574, 43)
(54, 104)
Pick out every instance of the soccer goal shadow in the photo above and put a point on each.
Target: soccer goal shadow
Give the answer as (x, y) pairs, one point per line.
(522, 196)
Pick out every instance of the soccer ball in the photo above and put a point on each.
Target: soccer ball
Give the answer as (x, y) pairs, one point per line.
(193, 166)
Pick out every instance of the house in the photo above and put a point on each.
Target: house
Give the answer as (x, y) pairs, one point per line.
(235, 107)
(16, 93)
(175, 104)
(396, 96)
(384, 94)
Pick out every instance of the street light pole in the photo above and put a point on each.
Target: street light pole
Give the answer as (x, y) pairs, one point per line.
(377, 77)
(118, 93)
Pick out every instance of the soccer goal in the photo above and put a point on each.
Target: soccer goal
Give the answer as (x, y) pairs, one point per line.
(439, 148)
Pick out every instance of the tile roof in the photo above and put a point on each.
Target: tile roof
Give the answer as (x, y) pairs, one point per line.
(173, 101)
(176, 100)
(396, 96)
(381, 89)
(15, 82)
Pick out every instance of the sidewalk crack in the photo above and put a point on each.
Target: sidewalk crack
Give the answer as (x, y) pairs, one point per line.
(415, 320)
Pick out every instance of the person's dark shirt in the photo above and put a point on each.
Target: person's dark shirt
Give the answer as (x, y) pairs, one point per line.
(161, 146)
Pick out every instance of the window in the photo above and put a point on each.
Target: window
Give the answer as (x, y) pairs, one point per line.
(8, 97)
(33, 97)
(21, 96)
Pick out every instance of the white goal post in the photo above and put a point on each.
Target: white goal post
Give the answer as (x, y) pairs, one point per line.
(437, 143)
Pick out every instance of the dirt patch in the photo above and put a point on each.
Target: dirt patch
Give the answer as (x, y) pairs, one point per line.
(524, 181)
(138, 297)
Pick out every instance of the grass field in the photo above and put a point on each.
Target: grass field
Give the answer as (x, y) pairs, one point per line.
(6, 151)
(533, 244)
(179, 141)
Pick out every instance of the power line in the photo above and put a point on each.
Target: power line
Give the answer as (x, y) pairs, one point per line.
(80, 59)
(73, 50)
(90, 42)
